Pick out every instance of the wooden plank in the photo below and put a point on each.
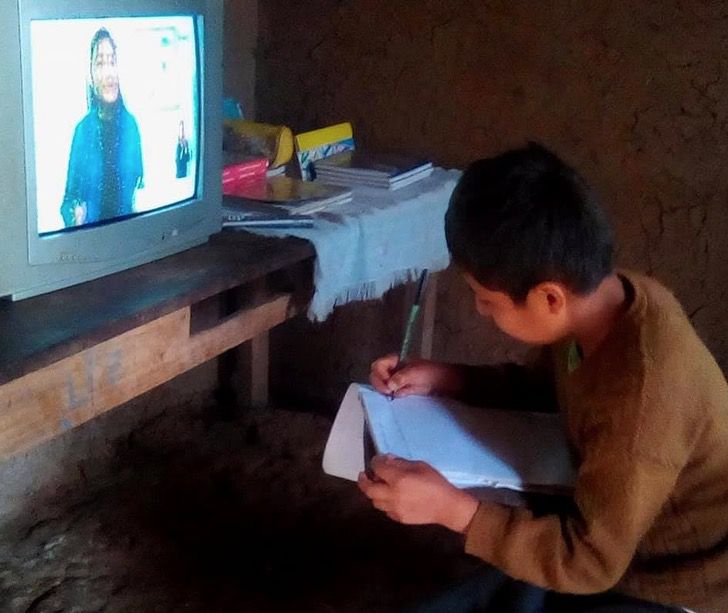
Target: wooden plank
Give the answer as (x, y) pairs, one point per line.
(239, 328)
(46, 402)
(40, 331)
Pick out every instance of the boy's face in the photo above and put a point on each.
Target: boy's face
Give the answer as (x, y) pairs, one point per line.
(540, 320)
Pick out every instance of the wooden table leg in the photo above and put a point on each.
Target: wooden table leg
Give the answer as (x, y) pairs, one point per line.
(259, 360)
(243, 376)
(428, 317)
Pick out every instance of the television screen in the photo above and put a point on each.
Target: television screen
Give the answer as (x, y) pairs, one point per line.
(116, 117)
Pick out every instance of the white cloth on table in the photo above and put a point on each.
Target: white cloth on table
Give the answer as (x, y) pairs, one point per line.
(378, 240)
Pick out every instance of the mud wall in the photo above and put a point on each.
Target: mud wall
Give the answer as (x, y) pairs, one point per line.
(632, 94)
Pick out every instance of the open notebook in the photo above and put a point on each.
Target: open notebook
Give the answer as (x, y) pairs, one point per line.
(472, 447)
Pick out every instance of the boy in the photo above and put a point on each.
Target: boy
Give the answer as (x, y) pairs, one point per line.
(645, 405)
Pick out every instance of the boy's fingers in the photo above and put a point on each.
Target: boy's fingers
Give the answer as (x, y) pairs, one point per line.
(381, 371)
(384, 366)
(375, 491)
(378, 370)
(399, 380)
(405, 390)
(379, 385)
(391, 360)
(408, 389)
(379, 460)
(388, 467)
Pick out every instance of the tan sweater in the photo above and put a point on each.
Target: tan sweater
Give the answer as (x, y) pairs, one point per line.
(647, 414)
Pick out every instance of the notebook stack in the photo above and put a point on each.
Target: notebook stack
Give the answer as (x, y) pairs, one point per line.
(280, 201)
(321, 143)
(243, 213)
(387, 171)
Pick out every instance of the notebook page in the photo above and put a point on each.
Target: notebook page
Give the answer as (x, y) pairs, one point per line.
(472, 446)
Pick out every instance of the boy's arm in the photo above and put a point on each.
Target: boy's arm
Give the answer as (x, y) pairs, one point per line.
(617, 496)
(527, 387)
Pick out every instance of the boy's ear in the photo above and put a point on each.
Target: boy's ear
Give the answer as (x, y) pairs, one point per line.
(550, 296)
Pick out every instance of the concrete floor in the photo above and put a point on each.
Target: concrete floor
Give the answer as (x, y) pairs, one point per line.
(200, 513)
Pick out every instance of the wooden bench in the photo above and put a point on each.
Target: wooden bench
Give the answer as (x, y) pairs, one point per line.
(71, 355)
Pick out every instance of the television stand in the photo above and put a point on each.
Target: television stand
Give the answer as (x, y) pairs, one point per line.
(73, 354)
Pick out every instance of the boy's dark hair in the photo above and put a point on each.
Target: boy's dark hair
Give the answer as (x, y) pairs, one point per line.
(525, 217)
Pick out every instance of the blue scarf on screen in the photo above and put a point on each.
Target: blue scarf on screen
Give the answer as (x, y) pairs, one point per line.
(105, 166)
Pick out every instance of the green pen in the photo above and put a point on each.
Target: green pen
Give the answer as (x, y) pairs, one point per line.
(411, 320)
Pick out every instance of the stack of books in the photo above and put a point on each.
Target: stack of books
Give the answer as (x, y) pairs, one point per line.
(321, 143)
(280, 201)
(243, 213)
(387, 171)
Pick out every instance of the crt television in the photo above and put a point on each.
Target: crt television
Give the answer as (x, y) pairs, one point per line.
(111, 136)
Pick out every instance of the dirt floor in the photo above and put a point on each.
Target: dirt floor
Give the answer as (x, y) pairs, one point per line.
(201, 513)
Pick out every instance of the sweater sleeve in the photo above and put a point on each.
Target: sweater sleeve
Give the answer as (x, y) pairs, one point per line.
(526, 386)
(617, 498)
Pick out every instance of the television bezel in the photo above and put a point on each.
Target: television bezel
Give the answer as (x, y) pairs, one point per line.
(58, 259)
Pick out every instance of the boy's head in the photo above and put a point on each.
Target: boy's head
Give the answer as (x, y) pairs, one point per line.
(530, 236)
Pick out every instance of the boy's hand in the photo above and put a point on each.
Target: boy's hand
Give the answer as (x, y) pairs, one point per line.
(415, 493)
(421, 377)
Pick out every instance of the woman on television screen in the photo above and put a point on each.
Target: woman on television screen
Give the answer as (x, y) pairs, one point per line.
(105, 165)
(182, 156)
